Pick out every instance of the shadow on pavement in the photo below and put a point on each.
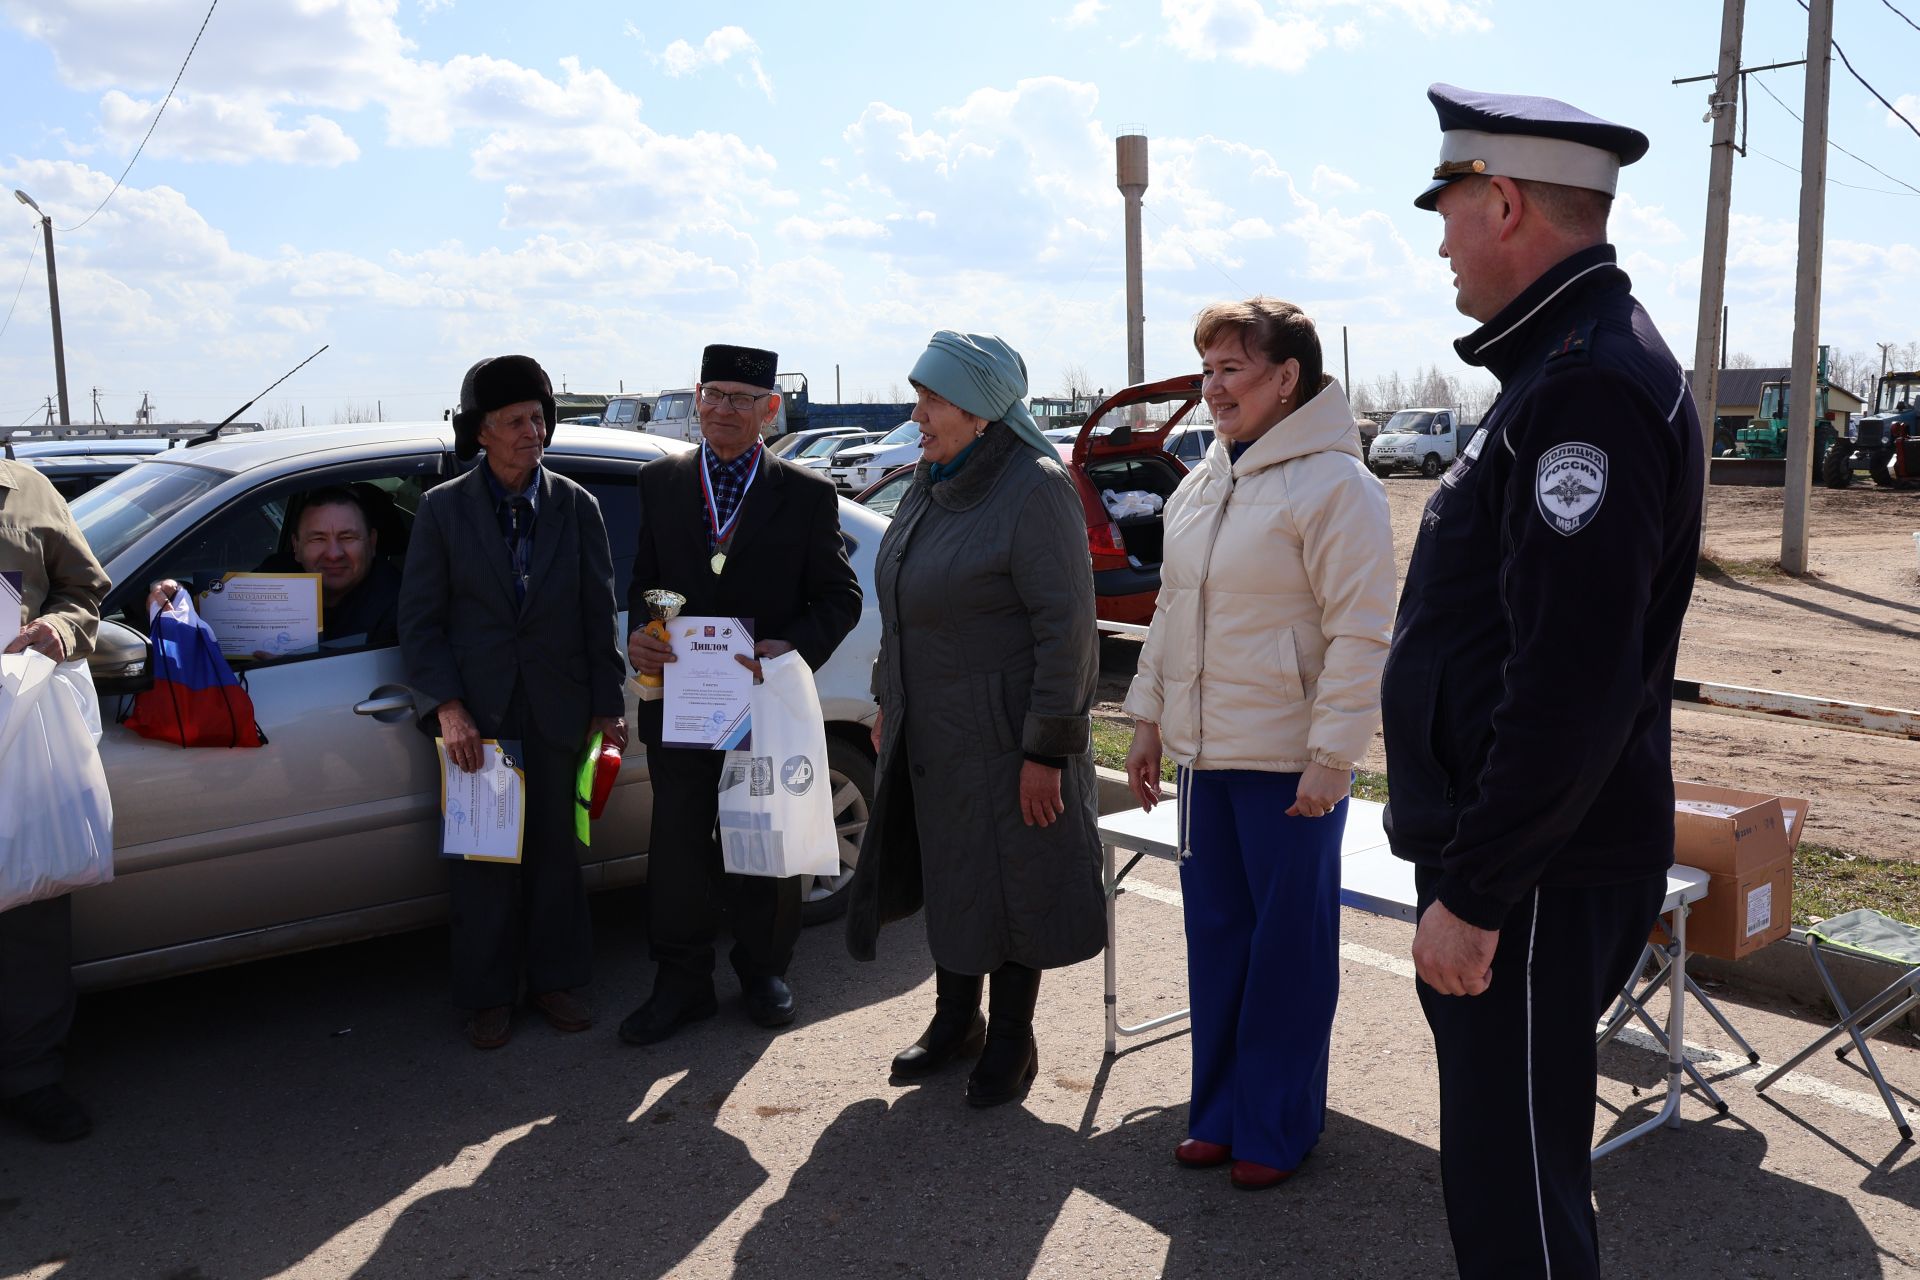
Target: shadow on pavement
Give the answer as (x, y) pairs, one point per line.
(1698, 1201)
(322, 1115)
(927, 1186)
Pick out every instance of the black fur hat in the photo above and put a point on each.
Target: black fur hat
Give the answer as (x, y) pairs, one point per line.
(491, 384)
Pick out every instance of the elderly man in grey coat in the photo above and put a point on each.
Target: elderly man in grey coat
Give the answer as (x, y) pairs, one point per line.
(986, 805)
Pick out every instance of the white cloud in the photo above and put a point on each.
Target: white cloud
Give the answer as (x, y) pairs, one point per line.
(1284, 35)
(1243, 31)
(844, 230)
(1332, 180)
(225, 130)
(683, 59)
(1083, 13)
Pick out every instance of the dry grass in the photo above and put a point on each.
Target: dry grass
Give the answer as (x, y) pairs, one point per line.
(1713, 564)
(1831, 882)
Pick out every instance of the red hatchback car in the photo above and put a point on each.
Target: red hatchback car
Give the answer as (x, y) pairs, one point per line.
(1120, 455)
(1117, 455)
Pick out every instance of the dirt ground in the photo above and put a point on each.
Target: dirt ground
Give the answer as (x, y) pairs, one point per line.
(1846, 630)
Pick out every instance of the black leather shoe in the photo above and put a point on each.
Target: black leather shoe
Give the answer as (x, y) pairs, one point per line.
(664, 1013)
(1005, 1071)
(769, 1001)
(945, 1040)
(51, 1114)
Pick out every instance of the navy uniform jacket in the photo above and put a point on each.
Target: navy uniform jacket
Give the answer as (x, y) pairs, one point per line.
(1527, 696)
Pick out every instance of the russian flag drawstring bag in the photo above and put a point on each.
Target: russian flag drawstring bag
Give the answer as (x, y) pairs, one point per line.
(196, 700)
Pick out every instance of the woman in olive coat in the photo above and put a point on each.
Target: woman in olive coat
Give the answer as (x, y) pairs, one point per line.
(986, 806)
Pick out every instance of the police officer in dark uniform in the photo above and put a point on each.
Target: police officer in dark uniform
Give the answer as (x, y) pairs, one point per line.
(1527, 693)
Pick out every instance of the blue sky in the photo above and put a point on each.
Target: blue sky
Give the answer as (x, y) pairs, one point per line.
(611, 186)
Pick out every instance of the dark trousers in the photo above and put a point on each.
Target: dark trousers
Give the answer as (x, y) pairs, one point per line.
(36, 993)
(685, 882)
(1262, 894)
(1517, 1075)
(531, 917)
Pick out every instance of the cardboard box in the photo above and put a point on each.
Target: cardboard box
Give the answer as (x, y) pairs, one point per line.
(1744, 841)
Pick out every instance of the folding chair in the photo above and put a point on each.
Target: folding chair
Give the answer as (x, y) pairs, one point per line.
(1632, 1004)
(1870, 936)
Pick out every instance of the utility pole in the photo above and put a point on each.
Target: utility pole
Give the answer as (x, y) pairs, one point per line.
(1130, 175)
(1726, 323)
(1803, 391)
(1346, 365)
(1722, 109)
(53, 304)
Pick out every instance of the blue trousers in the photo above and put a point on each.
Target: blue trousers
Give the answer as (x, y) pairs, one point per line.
(1262, 897)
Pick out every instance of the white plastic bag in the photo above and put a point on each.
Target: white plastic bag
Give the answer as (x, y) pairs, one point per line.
(776, 804)
(56, 816)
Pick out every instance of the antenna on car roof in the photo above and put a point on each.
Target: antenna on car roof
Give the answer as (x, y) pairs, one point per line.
(210, 436)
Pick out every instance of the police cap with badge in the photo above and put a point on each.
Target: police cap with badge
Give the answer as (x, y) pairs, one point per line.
(1513, 135)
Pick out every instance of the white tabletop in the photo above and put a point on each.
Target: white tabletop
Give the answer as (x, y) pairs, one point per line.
(1371, 878)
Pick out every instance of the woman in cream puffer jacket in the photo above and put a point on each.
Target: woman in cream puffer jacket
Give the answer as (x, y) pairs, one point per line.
(1261, 679)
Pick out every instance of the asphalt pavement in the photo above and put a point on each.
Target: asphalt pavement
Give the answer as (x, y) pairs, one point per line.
(321, 1116)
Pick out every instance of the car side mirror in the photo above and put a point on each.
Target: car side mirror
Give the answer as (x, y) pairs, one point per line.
(120, 661)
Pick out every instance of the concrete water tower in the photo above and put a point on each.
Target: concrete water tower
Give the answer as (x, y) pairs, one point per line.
(1130, 173)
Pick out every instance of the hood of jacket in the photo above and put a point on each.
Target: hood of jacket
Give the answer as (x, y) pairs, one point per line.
(1323, 424)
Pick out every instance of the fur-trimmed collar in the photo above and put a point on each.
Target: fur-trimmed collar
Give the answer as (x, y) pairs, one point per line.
(997, 447)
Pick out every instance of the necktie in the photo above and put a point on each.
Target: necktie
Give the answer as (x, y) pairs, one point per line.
(519, 543)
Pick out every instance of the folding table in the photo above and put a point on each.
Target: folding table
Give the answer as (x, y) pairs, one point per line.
(1374, 881)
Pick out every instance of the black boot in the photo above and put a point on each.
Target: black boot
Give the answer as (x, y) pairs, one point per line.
(957, 1029)
(1011, 1059)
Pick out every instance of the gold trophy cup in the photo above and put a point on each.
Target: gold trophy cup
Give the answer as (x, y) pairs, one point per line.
(665, 606)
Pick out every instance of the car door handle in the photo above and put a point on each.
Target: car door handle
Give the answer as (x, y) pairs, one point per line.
(381, 706)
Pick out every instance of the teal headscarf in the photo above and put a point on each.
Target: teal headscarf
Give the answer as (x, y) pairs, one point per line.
(983, 375)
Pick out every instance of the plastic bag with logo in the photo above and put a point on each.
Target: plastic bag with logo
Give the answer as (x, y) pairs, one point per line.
(56, 816)
(776, 804)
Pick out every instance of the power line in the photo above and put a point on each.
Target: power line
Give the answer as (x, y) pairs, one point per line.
(1196, 249)
(1842, 150)
(1863, 80)
(1851, 186)
(33, 250)
(1903, 17)
(156, 121)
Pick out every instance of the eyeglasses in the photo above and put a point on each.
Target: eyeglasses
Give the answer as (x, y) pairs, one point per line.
(740, 400)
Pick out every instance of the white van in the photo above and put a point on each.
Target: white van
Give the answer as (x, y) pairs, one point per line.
(1423, 440)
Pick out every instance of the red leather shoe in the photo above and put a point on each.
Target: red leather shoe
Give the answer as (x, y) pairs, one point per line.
(1195, 1154)
(1249, 1176)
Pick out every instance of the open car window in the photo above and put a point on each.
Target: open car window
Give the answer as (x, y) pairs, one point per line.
(252, 534)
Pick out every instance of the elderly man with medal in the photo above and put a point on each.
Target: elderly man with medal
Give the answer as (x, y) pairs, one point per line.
(729, 531)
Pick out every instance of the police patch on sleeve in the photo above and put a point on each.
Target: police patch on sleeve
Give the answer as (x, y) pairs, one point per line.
(1569, 486)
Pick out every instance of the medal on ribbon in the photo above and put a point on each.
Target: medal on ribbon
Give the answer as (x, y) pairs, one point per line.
(723, 533)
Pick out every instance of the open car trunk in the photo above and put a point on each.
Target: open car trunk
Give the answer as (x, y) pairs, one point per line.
(1157, 474)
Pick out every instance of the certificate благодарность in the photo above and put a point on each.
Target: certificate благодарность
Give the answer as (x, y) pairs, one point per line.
(482, 813)
(276, 614)
(708, 695)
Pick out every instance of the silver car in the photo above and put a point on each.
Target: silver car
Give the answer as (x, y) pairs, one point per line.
(329, 832)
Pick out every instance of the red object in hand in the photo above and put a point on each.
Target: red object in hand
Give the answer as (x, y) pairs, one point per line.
(605, 769)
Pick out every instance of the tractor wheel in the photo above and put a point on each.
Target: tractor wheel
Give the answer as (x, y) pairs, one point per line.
(1430, 466)
(1877, 467)
(1836, 471)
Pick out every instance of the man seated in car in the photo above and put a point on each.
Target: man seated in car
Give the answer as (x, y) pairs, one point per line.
(335, 536)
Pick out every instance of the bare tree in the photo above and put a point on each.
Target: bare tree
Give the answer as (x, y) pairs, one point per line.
(357, 413)
(1741, 360)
